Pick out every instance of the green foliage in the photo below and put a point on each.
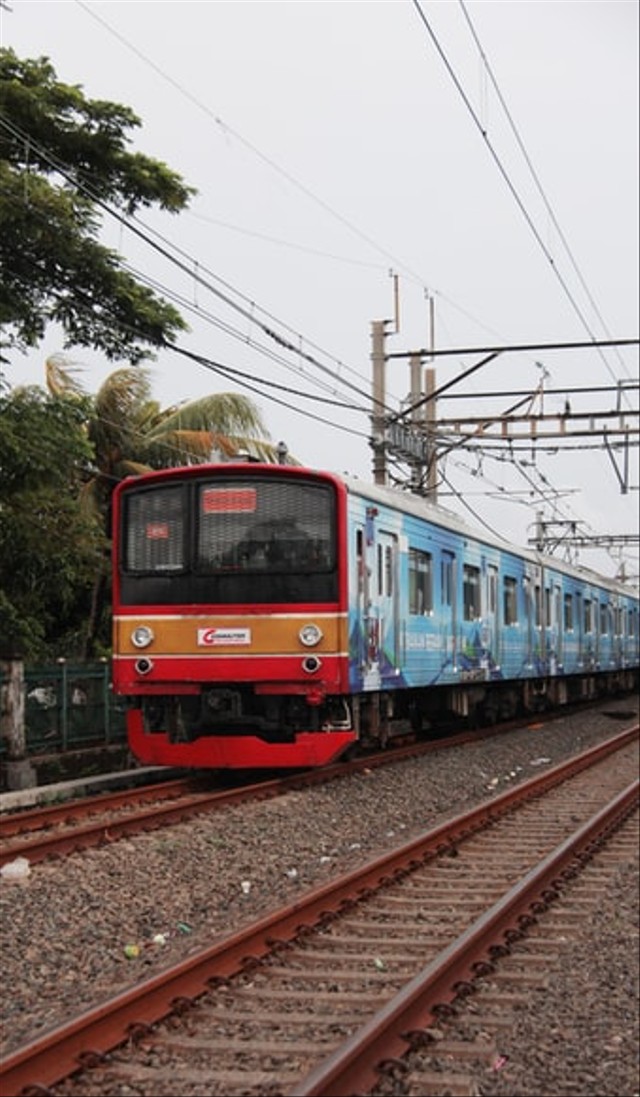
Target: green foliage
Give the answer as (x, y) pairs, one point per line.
(49, 546)
(63, 159)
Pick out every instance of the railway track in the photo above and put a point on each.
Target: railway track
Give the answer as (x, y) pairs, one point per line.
(310, 999)
(56, 830)
(59, 829)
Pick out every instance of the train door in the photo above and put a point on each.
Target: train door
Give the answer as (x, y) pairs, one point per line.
(489, 615)
(548, 640)
(529, 613)
(556, 633)
(580, 630)
(448, 610)
(617, 632)
(362, 586)
(387, 586)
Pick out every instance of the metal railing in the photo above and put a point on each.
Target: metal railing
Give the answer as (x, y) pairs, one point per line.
(69, 706)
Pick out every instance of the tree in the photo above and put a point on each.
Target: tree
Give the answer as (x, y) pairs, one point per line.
(50, 545)
(63, 162)
(131, 434)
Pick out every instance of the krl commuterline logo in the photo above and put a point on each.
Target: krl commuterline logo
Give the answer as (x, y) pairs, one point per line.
(211, 637)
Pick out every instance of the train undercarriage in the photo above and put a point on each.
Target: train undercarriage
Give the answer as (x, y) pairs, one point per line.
(227, 726)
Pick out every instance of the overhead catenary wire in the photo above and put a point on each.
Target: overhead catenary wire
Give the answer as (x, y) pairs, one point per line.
(193, 269)
(216, 120)
(537, 181)
(505, 175)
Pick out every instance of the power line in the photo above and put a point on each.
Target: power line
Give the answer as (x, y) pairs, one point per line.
(229, 130)
(191, 271)
(536, 178)
(515, 347)
(503, 172)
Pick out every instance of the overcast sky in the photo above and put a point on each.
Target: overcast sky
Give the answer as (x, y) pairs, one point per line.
(482, 156)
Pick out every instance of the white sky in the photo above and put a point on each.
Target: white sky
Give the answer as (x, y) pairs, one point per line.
(333, 143)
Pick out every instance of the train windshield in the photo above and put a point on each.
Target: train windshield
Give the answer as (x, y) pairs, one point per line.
(264, 526)
(215, 527)
(154, 530)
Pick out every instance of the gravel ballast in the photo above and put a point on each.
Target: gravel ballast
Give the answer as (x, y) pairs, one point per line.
(83, 928)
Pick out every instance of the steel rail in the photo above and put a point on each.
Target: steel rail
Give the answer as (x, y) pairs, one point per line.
(354, 1067)
(37, 846)
(66, 1048)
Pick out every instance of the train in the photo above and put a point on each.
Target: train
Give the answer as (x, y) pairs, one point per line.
(276, 616)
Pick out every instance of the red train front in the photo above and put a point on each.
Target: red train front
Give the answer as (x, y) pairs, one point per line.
(230, 616)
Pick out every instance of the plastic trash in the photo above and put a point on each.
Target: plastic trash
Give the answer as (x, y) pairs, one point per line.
(16, 870)
(246, 887)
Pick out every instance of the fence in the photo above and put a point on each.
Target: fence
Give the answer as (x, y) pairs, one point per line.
(70, 706)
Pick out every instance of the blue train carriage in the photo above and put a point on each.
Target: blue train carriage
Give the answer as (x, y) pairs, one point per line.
(447, 623)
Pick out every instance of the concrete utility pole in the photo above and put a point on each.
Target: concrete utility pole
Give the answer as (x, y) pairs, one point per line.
(432, 477)
(378, 440)
(411, 436)
(415, 392)
(19, 771)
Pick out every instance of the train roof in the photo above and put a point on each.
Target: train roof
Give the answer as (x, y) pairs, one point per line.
(408, 504)
(446, 519)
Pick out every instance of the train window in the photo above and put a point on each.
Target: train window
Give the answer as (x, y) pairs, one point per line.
(264, 525)
(420, 582)
(568, 613)
(510, 601)
(604, 618)
(588, 615)
(360, 558)
(154, 530)
(619, 621)
(471, 592)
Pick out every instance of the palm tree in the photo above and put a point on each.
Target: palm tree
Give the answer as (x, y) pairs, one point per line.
(132, 434)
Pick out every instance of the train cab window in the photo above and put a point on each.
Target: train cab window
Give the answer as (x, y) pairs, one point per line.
(420, 582)
(619, 621)
(510, 601)
(263, 526)
(568, 613)
(588, 615)
(471, 592)
(154, 524)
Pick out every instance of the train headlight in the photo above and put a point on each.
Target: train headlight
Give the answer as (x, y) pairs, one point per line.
(141, 636)
(310, 635)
